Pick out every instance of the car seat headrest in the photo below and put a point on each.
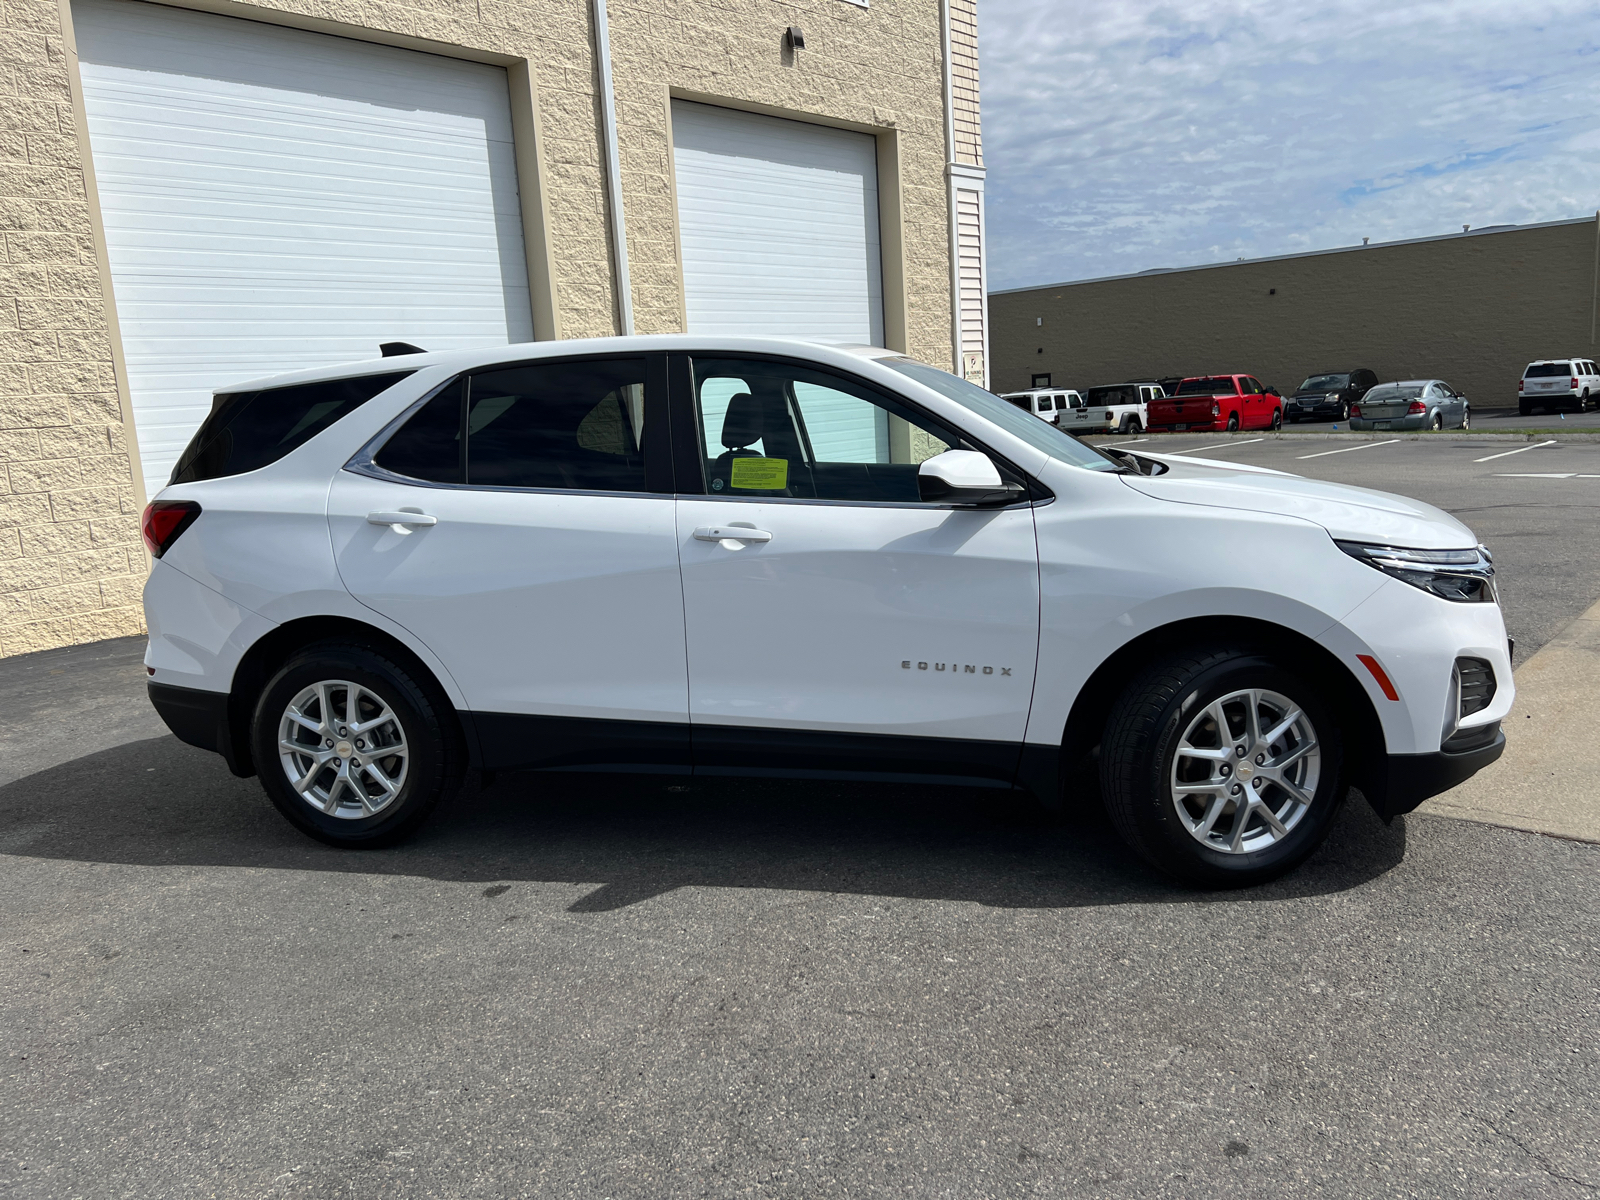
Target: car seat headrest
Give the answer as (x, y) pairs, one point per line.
(742, 424)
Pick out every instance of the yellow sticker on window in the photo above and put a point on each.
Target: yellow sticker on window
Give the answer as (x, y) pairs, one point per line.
(760, 474)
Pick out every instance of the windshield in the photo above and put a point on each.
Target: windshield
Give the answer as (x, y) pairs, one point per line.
(1121, 394)
(1325, 383)
(1206, 387)
(1390, 392)
(1548, 370)
(1041, 435)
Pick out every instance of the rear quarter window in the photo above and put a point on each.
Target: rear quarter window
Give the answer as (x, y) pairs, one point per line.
(246, 431)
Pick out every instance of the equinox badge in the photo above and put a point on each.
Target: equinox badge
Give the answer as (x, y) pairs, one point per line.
(955, 668)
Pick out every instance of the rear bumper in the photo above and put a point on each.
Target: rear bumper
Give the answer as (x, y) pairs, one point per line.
(1409, 422)
(1412, 778)
(198, 717)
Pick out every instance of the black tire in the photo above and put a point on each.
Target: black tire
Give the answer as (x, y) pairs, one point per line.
(1141, 740)
(1277, 419)
(1438, 422)
(1466, 418)
(1233, 422)
(1344, 412)
(435, 763)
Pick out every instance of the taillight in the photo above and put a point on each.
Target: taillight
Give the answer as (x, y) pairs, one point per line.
(1521, 383)
(1574, 384)
(164, 521)
(1215, 411)
(1355, 410)
(1417, 406)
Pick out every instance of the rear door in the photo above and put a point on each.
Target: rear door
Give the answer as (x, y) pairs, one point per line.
(533, 549)
(835, 622)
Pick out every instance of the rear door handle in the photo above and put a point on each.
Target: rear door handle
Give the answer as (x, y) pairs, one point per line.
(731, 533)
(401, 522)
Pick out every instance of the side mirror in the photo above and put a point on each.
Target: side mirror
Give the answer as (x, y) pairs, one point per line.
(964, 477)
(1272, 391)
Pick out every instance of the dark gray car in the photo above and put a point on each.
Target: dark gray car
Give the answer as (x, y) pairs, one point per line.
(1412, 404)
(1328, 394)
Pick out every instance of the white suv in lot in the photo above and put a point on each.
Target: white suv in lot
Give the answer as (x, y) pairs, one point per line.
(1554, 384)
(739, 556)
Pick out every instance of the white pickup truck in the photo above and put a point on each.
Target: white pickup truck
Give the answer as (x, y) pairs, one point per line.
(1117, 408)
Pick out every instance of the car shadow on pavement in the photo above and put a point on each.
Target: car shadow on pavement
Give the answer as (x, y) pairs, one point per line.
(157, 802)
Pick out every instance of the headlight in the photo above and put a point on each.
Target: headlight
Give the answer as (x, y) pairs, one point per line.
(1466, 576)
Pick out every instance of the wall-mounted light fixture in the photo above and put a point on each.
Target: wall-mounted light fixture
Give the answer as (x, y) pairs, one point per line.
(793, 38)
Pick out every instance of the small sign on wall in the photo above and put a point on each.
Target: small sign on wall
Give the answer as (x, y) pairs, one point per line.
(972, 367)
(1041, 381)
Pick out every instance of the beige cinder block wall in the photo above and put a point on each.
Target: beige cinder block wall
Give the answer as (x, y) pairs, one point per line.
(1471, 309)
(71, 563)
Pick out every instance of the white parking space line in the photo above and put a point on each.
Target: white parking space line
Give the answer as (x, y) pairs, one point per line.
(1542, 475)
(1135, 442)
(1518, 450)
(1217, 446)
(1347, 449)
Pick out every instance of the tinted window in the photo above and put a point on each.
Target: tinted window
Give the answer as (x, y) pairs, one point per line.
(1548, 370)
(1120, 394)
(778, 429)
(1326, 383)
(428, 446)
(249, 430)
(1021, 402)
(1206, 387)
(574, 425)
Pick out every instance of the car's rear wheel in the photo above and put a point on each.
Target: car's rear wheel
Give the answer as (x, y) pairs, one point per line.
(352, 747)
(1466, 418)
(1438, 422)
(1233, 422)
(1222, 767)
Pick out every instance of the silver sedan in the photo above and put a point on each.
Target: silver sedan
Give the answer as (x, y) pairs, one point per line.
(1412, 404)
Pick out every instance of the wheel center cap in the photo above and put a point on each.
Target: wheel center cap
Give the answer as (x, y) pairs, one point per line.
(1245, 770)
(344, 749)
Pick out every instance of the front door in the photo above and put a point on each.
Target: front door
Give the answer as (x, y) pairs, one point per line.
(835, 622)
(541, 565)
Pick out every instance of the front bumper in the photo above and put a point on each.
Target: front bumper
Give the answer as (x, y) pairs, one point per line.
(1412, 778)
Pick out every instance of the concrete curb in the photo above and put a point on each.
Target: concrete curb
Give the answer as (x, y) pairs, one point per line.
(1548, 779)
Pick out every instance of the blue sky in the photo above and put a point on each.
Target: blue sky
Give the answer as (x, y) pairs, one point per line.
(1122, 135)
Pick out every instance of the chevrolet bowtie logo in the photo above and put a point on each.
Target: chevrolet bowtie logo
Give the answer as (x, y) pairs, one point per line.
(955, 668)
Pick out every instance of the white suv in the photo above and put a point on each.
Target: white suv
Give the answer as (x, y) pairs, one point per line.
(1048, 404)
(772, 557)
(1559, 383)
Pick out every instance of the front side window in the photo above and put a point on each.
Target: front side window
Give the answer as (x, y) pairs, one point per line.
(779, 429)
(574, 426)
(246, 431)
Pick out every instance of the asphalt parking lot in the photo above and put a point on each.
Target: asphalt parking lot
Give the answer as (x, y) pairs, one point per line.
(625, 987)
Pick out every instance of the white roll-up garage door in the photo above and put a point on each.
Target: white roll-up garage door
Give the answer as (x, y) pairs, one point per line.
(779, 226)
(276, 199)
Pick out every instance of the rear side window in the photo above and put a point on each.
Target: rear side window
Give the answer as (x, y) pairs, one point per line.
(250, 430)
(568, 425)
(1548, 370)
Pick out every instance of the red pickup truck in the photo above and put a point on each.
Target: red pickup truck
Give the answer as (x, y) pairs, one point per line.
(1207, 402)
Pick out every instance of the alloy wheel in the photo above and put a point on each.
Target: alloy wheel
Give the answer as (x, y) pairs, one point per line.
(343, 749)
(1245, 771)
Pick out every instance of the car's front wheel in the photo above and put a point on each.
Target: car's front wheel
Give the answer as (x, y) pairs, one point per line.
(1222, 767)
(1277, 419)
(352, 747)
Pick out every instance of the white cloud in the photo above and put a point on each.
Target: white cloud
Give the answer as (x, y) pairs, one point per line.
(1125, 136)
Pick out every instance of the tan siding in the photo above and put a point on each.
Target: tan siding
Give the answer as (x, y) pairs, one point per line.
(964, 82)
(1471, 309)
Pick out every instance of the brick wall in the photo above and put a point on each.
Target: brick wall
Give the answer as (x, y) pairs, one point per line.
(1471, 309)
(71, 564)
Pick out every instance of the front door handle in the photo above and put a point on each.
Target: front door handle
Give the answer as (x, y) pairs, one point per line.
(731, 533)
(401, 522)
